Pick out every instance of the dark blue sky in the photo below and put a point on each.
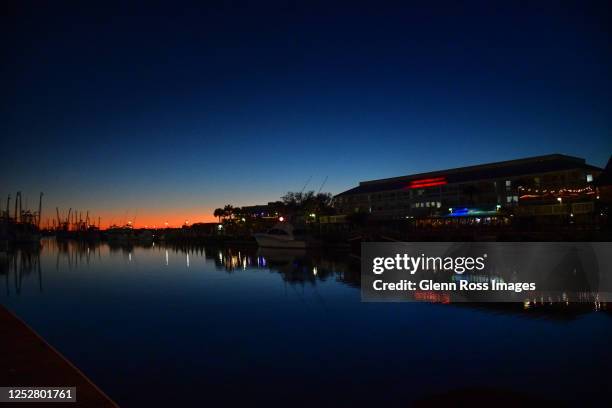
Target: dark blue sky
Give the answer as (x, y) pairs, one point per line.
(166, 112)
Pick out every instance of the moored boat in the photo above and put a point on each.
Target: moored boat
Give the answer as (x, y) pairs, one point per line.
(284, 235)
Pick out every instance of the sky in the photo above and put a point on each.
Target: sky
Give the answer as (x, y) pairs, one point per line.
(162, 113)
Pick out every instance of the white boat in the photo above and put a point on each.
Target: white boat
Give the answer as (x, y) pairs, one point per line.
(282, 235)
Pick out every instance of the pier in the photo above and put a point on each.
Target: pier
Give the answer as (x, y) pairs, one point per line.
(29, 361)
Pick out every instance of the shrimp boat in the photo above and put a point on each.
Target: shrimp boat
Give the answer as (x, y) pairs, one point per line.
(284, 235)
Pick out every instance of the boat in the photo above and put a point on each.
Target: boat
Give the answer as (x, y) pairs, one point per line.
(120, 234)
(284, 235)
(128, 234)
(23, 227)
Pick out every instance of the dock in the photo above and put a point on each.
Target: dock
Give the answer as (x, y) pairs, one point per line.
(27, 360)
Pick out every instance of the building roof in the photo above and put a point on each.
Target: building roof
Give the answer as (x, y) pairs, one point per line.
(497, 170)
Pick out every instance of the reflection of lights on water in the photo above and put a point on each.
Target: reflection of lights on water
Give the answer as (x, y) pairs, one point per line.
(244, 263)
(220, 257)
(526, 304)
(314, 270)
(130, 257)
(188, 260)
(166, 257)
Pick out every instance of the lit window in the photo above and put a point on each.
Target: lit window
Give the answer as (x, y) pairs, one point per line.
(589, 178)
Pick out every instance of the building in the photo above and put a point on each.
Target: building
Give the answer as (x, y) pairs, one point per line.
(604, 183)
(269, 210)
(556, 185)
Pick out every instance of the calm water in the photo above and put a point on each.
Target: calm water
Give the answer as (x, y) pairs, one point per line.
(163, 325)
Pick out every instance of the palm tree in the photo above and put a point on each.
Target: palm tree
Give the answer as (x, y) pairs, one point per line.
(228, 210)
(219, 213)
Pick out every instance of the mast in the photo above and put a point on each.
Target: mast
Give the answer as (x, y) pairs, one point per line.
(40, 208)
(16, 198)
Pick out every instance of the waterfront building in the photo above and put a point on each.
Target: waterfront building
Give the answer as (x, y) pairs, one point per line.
(554, 185)
(267, 211)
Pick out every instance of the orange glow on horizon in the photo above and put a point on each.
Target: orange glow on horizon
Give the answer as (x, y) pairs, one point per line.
(142, 220)
(161, 221)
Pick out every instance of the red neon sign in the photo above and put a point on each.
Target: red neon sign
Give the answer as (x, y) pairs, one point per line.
(428, 182)
(432, 297)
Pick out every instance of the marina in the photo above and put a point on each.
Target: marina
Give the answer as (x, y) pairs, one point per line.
(245, 317)
(318, 204)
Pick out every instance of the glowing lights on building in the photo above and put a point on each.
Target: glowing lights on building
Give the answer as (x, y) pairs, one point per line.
(463, 212)
(494, 190)
(527, 193)
(428, 182)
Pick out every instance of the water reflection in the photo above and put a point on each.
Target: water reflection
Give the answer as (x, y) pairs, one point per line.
(72, 253)
(19, 264)
(219, 319)
(294, 266)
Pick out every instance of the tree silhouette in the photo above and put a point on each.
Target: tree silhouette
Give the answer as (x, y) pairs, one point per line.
(228, 210)
(219, 213)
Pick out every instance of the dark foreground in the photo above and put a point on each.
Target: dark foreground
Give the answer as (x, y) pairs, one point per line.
(29, 361)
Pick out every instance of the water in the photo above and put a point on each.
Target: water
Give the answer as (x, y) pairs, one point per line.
(178, 326)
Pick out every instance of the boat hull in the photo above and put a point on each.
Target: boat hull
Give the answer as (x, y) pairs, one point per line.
(270, 241)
